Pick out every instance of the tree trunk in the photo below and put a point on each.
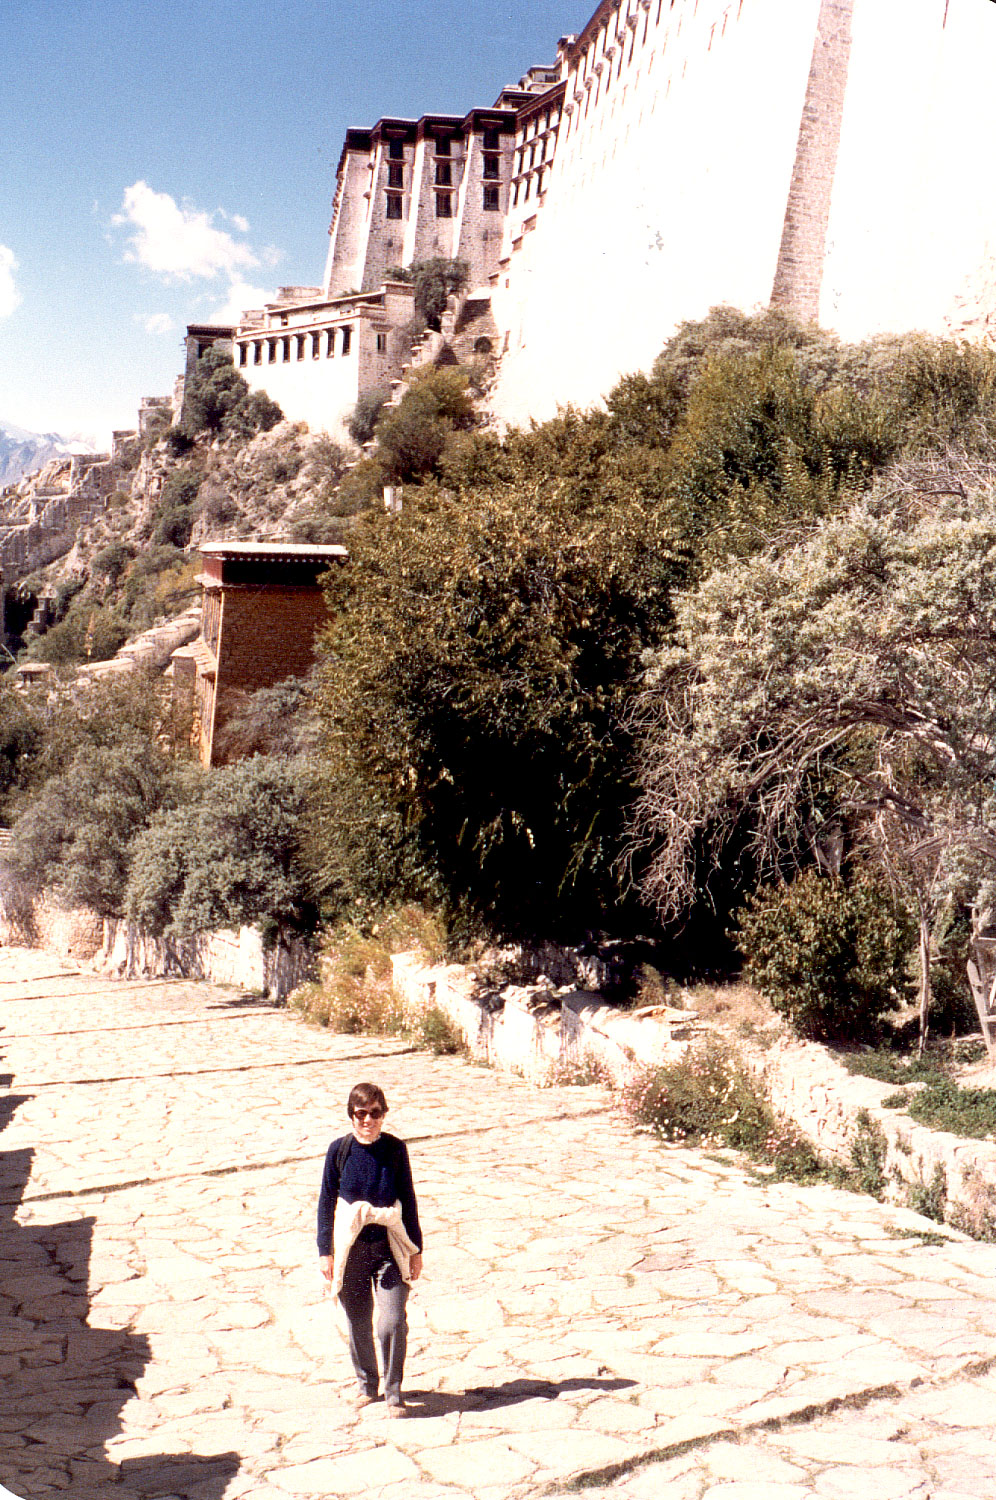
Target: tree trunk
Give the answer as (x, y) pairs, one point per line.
(924, 981)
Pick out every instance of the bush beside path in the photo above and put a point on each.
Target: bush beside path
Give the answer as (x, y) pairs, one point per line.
(598, 1310)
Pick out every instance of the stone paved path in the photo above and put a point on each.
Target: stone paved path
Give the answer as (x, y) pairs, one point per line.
(597, 1310)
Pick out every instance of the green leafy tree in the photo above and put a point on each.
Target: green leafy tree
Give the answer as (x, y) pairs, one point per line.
(829, 953)
(435, 281)
(75, 837)
(256, 412)
(412, 437)
(846, 681)
(363, 418)
(227, 855)
(217, 399)
(473, 692)
(20, 738)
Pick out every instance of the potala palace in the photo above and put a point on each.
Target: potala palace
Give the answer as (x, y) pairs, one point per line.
(829, 156)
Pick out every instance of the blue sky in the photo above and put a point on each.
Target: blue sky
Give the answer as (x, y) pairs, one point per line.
(160, 162)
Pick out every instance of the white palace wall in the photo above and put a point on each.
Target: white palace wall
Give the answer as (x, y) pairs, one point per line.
(669, 190)
(667, 195)
(913, 214)
(833, 157)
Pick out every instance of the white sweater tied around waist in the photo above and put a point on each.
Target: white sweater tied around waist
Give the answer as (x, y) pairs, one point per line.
(350, 1218)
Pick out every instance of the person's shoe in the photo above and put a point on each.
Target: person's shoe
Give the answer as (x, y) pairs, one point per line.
(397, 1409)
(363, 1398)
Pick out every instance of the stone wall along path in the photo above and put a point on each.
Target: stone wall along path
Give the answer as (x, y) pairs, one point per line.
(597, 1310)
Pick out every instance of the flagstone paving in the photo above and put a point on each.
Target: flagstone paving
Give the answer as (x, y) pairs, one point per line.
(598, 1312)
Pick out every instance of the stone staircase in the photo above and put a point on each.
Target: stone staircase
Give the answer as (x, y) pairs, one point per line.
(466, 327)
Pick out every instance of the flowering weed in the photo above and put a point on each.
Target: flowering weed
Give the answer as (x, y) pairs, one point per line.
(708, 1098)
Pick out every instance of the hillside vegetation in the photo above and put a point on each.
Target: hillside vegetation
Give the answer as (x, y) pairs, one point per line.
(234, 468)
(632, 672)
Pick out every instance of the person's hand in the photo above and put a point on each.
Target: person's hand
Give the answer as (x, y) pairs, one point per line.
(325, 1266)
(416, 1266)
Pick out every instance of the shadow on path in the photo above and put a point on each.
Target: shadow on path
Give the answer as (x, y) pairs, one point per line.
(512, 1393)
(65, 1383)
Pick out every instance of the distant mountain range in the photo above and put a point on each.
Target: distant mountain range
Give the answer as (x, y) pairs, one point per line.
(21, 451)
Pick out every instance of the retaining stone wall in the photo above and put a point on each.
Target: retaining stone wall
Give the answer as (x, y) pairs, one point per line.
(930, 1170)
(124, 951)
(528, 1030)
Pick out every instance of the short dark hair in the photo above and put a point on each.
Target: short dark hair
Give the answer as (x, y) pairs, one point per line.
(364, 1095)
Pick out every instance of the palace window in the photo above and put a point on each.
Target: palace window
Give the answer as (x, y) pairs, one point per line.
(300, 345)
(347, 338)
(394, 205)
(492, 167)
(330, 351)
(443, 146)
(444, 174)
(396, 150)
(243, 351)
(444, 205)
(396, 175)
(492, 140)
(382, 343)
(316, 345)
(492, 199)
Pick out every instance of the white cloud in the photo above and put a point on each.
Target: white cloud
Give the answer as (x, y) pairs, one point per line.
(10, 297)
(155, 323)
(241, 297)
(177, 241)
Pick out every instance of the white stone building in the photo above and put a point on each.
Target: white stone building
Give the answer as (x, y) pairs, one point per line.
(830, 156)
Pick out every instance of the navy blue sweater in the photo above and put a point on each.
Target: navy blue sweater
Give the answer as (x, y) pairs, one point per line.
(380, 1174)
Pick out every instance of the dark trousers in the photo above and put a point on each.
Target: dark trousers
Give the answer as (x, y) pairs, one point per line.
(372, 1279)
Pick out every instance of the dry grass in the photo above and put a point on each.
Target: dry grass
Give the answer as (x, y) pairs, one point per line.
(735, 1008)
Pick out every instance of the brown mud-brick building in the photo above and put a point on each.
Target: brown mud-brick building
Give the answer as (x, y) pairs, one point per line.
(262, 607)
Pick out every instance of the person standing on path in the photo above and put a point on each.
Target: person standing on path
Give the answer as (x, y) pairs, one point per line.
(370, 1242)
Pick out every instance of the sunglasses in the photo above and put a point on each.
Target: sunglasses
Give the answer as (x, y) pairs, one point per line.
(368, 1114)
